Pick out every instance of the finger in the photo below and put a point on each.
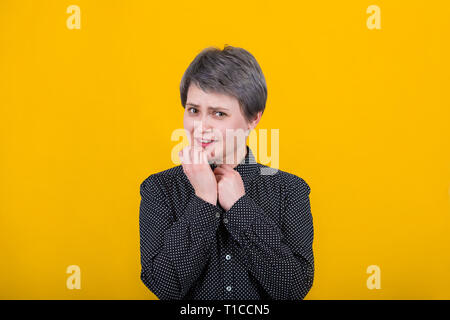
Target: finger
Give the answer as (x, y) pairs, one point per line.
(211, 153)
(195, 142)
(226, 166)
(193, 155)
(205, 157)
(187, 155)
(182, 156)
(219, 170)
(197, 156)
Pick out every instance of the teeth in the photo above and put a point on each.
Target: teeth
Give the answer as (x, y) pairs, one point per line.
(206, 141)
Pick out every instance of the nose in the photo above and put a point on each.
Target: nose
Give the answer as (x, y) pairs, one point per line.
(203, 126)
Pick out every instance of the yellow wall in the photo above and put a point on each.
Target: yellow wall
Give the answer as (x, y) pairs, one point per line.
(86, 115)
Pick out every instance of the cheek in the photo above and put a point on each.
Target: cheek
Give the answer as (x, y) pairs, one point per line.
(187, 124)
(224, 125)
(188, 128)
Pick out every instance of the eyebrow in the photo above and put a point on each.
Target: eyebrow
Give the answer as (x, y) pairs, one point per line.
(209, 107)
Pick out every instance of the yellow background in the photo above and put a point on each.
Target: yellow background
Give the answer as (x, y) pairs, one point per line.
(86, 115)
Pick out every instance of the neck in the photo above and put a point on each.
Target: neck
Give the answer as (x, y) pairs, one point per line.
(240, 153)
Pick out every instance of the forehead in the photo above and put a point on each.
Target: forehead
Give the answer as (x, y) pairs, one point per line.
(196, 96)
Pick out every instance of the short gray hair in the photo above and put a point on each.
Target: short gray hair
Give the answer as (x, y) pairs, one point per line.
(232, 71)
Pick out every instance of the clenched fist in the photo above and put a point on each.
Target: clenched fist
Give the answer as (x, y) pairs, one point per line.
(230, 186)
(194, 161)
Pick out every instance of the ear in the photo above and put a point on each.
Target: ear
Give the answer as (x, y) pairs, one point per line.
(252, 124)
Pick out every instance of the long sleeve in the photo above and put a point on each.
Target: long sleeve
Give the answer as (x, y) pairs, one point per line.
(173, 253)
(281, 259)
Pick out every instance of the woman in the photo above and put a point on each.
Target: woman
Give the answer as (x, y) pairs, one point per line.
(217, 227)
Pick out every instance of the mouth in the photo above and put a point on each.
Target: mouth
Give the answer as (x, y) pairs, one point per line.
(205, 143)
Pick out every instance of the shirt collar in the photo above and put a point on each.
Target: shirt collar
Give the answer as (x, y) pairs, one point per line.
(247, 168)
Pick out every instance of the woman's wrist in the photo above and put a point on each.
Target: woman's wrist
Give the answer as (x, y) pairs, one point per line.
(207, 198)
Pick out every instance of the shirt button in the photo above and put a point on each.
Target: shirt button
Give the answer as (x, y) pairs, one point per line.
(229, 288)
(225, 220)
(228, 257)
(217, 214)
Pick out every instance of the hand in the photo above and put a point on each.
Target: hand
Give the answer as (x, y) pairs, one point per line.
(196, 167)
(230, 186)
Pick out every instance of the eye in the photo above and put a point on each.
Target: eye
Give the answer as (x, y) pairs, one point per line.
(221, 114)
(192, 110)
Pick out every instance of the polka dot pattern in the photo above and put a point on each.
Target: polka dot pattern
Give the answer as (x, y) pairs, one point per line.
(260, 249)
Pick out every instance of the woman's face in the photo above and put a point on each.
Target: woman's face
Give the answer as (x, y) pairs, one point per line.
(210, 116)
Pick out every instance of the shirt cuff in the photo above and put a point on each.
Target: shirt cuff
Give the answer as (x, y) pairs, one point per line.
(240, 217)
(202, 215)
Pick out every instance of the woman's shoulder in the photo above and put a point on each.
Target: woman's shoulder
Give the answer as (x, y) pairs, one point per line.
(159, 181)
(293, 182)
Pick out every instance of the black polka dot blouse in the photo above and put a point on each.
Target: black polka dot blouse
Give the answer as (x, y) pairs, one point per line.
(260, 249)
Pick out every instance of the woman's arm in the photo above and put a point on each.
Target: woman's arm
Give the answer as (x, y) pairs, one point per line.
(281, 259)
(173, 253)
